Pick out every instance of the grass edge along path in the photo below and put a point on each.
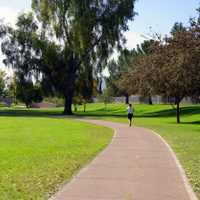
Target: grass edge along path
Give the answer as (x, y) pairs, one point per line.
(39, 154)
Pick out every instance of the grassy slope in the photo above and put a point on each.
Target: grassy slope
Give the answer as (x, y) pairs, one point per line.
(184, 138)
(39, 153)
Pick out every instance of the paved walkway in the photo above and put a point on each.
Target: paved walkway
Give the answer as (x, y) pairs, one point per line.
(137, 165)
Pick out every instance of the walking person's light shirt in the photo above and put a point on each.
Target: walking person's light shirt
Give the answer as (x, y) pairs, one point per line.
(130, 110)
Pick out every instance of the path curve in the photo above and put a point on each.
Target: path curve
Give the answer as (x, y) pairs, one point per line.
(137, 165)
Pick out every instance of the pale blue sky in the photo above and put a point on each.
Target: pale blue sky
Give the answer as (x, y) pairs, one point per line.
(162, 14)
(18, 4)
(158, 14)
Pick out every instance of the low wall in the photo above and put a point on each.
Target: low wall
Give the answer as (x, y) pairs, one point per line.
(156, 99)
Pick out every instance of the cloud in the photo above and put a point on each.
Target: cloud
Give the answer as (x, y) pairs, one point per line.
(8, 14)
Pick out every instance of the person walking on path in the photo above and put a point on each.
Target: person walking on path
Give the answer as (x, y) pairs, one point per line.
(130, 114)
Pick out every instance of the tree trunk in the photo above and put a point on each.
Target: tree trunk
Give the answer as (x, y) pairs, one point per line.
(178, 112)
(178, 109)
(68, 104)
(84, 107)
(70, 87)
(126, 99)
(27, 105)
(150, 100)
(75, 108)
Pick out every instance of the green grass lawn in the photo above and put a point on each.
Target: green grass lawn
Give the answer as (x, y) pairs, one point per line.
(38, 153)
(184, 138)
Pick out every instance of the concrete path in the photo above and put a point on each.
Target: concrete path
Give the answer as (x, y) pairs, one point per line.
(137, 165)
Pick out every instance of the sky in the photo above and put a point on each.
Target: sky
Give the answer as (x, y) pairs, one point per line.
(158, 16)
(153, 16)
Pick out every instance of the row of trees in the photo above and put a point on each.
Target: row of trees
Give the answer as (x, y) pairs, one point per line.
(12, 89)
(171, 67)
(61, 48)
(117, 69)
(64, 45)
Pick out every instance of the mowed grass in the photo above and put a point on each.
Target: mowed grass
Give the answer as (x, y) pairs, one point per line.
(184, 138)
(39, 153)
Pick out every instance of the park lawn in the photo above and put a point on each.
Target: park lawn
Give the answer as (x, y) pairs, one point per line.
(184, 138)
(38, 153)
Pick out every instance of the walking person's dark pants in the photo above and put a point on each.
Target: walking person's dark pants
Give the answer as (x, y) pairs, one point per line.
(130, 116)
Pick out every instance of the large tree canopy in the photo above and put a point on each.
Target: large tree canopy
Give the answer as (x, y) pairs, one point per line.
(87, 30)
(172, 68)
(66, 36)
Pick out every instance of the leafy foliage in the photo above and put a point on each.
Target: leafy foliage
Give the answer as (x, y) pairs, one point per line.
(126, 61)
(105, 97)
(28, 93)
(67, 39)
(87, 31)
(172, 68)
(2, 83)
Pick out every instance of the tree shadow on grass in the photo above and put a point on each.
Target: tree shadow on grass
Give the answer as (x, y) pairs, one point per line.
(28, 113)
(100, 113)
(189, 110)
(192, 123)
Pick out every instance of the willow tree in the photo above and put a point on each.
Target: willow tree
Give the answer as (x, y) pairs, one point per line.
(84, 30)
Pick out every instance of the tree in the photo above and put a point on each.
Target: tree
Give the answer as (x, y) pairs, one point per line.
(84, 30)
(178, 27)
(28, 92)
(145, 49)
(84, 86)
(179, 72)
(136, 79)
(105, 97)
(116, 69)
(127, 61)
(21, 51)
(2, 83)
(12, 89)
(172, 69)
